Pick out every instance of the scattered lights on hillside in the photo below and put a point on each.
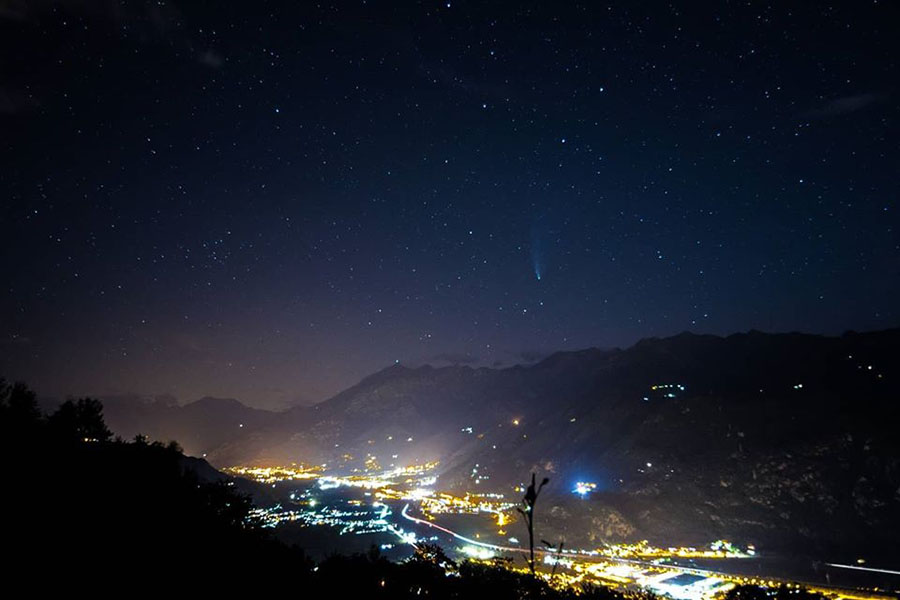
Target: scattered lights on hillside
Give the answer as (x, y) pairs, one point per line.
(407, 475)
(666, 390)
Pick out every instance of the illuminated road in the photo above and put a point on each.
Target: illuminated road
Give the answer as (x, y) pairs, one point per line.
(643, 573)
(405, 514)
(597, 558)
(589, 555)
(870, 569)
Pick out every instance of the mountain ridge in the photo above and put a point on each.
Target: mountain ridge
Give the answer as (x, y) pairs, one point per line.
(678, 433)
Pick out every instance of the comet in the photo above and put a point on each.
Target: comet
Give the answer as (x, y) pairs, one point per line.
(537, 261)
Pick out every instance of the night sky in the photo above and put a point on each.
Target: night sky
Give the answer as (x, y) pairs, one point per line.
(269, 201)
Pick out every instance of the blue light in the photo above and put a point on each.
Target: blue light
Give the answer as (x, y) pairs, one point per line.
(583, 488)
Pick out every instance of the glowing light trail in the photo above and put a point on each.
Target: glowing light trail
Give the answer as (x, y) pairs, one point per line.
(858, 568)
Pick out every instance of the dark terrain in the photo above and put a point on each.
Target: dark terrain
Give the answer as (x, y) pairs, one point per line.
(106, 517)
(784, 441)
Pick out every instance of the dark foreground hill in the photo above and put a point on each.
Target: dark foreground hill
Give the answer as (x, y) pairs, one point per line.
(92, 517)
(785, 441)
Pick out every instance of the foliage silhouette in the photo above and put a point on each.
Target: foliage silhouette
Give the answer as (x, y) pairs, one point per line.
(102, 515)
(557, 551)
(79, 502)
(80, 420)
(21, 420)
(530, 499)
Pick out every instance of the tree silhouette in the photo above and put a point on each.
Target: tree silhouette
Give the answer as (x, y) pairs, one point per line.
(530, 499)
(433, 554)
(18, 402)
(141, 512)
(80, 420)
(21, 421)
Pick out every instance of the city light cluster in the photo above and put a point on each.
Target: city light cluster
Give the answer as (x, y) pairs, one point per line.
(632, 567)
(642, 549)
(275, 474)
(469, 503)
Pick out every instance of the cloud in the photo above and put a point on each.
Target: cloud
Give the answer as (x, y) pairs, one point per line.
(530, 356)
(160, 16)
(13, 11)
(454, 358)
(15, 101)
(16, 340)
(845, 105)
(144, 21)
(212, 59)
(159, 24)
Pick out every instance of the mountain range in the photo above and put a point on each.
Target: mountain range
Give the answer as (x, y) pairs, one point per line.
(785, 441)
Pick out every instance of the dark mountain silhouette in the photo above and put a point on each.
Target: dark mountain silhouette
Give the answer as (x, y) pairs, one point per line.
(782, 440)
(199, 426)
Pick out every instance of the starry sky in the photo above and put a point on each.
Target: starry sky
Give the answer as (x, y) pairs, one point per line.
(271, 200)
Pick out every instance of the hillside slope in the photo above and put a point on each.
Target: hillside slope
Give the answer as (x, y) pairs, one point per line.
(787, 440)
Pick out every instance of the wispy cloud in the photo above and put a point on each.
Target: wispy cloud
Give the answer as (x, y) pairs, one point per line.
(13, 11)
(161, 16)
(530, 356)
(454, 358)
(14, 101)
(16, 340)
(845, 105)
(211, 58)
(148, 23)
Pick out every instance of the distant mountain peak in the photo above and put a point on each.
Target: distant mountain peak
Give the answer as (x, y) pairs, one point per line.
(208, 401)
